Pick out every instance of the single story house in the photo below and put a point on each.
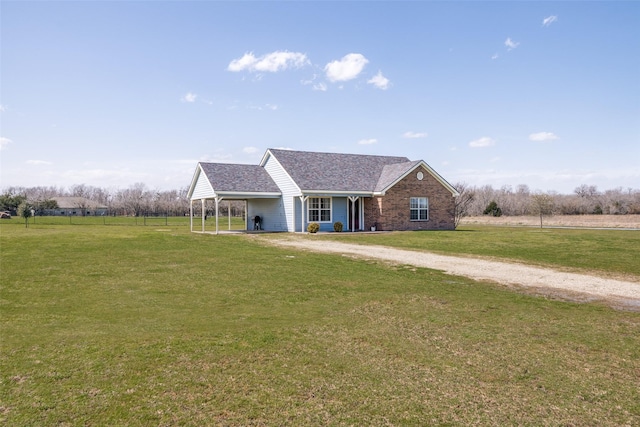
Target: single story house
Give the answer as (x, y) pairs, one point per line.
(76, 206)
(290, 189)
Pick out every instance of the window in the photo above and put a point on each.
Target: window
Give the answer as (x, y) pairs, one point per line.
(320, 209)
(419, 209)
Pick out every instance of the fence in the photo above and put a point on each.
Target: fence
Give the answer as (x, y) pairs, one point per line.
(175, 221)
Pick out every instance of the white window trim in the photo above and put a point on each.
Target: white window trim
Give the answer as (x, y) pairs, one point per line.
(319, 210)
(418, 209)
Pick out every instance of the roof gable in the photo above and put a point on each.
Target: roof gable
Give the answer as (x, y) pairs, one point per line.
(313, 171)
(392, 174)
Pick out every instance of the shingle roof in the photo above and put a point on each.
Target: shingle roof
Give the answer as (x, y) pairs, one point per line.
(72, 202)
(239, 178)
(338, 172)
(390, 173)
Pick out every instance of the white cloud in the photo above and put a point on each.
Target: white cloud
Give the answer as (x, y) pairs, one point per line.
(249, 150)
(271, 107)
(38, 162)
(543, 136)
(245, 63)
(3, 108)
(189, 97)
(495, 56)
(485, 141)
(347, 68)
(510, 44)
(413, 135)
(271, 62)
(368, 141)
(320, 86)
(380, 81)
(4, 142)
(549, 20)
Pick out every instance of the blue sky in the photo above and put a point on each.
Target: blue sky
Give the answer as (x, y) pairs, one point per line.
(500, 93)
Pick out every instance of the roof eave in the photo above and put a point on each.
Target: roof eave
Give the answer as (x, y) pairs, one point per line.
(265, 157)
(338, 192)
(249, 194)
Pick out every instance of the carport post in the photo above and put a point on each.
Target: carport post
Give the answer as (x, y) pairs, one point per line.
(353, 200)
(191, 215)
(203, 202)
(302, 200)
(217, 214)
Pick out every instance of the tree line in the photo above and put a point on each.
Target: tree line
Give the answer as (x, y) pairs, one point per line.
(585, 199)
(138, 200)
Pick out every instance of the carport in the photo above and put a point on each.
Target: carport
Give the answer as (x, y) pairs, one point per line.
(220, 182)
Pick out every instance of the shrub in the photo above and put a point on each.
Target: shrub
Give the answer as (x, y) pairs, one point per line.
(337, 227)
(313, 227)
(492, 209)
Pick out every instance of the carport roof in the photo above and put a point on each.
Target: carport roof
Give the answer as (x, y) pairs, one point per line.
(238, 178)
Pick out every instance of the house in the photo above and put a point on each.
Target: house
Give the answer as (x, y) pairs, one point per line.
(76, 206)
(290, 189)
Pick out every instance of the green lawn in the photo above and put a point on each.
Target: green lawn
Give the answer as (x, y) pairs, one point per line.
(235, 223)
(154, 325)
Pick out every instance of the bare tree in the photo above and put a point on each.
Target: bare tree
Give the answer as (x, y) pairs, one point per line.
(134, 199)
(521, 196)
(462, 203)
(542, 204)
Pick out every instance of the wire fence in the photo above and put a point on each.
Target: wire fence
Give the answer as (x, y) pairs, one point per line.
(235, 223)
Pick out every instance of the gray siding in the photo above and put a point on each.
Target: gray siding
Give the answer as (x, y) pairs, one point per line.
(289, 189)
(271, 211)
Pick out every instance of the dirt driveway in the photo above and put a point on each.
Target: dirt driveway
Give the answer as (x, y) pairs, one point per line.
(572, 286)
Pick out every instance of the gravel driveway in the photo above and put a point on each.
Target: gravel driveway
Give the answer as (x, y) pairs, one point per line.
(572, 286)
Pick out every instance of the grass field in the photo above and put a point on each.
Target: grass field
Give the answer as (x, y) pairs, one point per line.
(224, 223)
(153, 325)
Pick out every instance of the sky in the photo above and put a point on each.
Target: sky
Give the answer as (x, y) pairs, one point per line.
(114, 93)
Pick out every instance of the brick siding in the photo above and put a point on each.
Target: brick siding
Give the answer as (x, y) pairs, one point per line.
(392, 211)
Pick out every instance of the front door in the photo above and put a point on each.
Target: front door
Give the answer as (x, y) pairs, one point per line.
(353, 213)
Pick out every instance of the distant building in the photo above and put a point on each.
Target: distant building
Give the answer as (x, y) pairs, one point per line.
(76, 206)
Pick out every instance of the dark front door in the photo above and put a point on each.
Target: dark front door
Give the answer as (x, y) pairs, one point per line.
(353, 212)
